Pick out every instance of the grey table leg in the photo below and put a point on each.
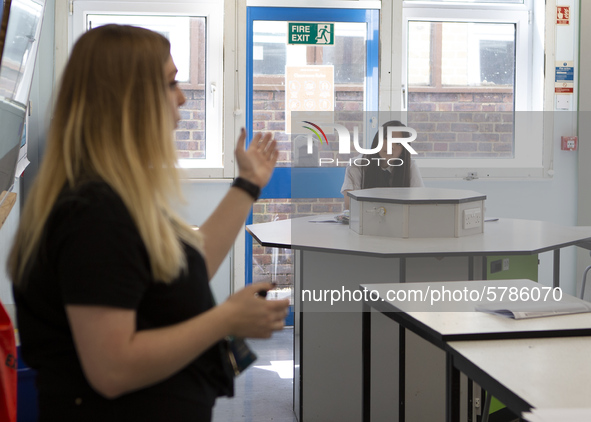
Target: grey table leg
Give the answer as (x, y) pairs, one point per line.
(366, 362)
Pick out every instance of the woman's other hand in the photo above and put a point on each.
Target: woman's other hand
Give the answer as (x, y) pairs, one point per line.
(251, 315)
(256, 163)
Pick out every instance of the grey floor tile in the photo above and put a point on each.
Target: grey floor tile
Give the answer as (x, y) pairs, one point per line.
(261, 393)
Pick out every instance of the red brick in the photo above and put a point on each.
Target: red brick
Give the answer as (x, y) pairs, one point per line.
(417, 117)
(488, 98)
(507, 128)
(487, 117)
(262, 115)
(501, 147)
(421, 107)
(276, 126)
(485, 137)
(464, 137)
(198, 136)
(278, 208)
(467, 107)
(304, 208)
(463, 146)
(262, 95)
(505, 107)
(444, 97)
(446, 137)
(422, 146)
(464, 127)
(424, 127)
(485, 146)
(349, 96)
(486, 127)
(443, 117)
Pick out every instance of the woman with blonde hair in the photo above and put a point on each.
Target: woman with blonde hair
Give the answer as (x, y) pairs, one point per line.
(113, 302)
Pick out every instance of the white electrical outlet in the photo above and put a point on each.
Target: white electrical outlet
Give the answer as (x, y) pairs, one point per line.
(505, 264)
(472, 218)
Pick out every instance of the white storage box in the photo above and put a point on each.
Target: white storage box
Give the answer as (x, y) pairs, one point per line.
(416, 212)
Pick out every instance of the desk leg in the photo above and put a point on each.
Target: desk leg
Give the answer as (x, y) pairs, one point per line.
(556, 268)
(452, 391)
(402, 354)
(366, 362)
(401, 373)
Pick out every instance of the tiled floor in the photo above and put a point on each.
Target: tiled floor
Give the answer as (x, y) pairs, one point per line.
(264, 392)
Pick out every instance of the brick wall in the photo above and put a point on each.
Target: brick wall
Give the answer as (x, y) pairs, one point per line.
(190, 133)
(274, 264)
(462, 124)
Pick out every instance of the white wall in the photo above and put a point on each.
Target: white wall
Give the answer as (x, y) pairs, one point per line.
(584, 176)
(202, 196)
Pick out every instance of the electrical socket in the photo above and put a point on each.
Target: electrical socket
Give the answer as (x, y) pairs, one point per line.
(505, 264)
(472, 218)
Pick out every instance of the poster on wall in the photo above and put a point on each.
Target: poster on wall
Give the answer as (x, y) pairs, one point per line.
(564, 82)
(562, 15)
(308, 89)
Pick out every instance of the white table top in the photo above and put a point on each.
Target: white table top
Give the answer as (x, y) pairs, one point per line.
(443, 322)
(548, 372)
(504, 236)
(416, 195)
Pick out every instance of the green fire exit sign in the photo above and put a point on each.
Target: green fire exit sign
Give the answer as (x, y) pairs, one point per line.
(316, 33)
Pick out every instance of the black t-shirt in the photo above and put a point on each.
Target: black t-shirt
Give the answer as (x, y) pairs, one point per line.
(91, 253)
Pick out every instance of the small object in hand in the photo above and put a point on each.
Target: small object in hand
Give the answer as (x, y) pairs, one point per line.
(239, 354)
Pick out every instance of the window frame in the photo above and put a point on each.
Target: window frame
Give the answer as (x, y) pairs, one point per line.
(532, 135)
(213, 11)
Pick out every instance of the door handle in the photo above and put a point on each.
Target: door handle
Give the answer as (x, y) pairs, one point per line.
(212, 90)
(404, 97)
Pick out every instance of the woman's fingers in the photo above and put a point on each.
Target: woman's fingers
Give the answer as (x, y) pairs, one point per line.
(258, 317)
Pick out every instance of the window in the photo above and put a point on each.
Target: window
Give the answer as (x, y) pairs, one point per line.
(195, 32)
(472, 76)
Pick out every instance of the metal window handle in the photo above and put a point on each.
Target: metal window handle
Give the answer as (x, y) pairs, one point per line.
(404, 97)
(212, 89)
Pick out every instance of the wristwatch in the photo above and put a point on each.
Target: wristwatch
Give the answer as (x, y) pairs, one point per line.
(249, 187)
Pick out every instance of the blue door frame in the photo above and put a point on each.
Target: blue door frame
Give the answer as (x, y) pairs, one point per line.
(280, 185)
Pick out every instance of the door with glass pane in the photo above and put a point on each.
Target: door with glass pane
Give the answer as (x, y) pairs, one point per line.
(275, 91)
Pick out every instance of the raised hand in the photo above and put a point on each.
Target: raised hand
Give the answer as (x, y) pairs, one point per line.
(256, 163)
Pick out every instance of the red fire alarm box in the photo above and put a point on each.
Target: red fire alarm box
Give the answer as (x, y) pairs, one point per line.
(569, 143)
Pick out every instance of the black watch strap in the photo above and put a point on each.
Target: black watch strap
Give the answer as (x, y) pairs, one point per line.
(249, 187)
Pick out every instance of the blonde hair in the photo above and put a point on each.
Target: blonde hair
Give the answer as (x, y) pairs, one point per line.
(113, 123)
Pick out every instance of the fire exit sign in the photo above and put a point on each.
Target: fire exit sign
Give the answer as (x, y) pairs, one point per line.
(316, 33)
